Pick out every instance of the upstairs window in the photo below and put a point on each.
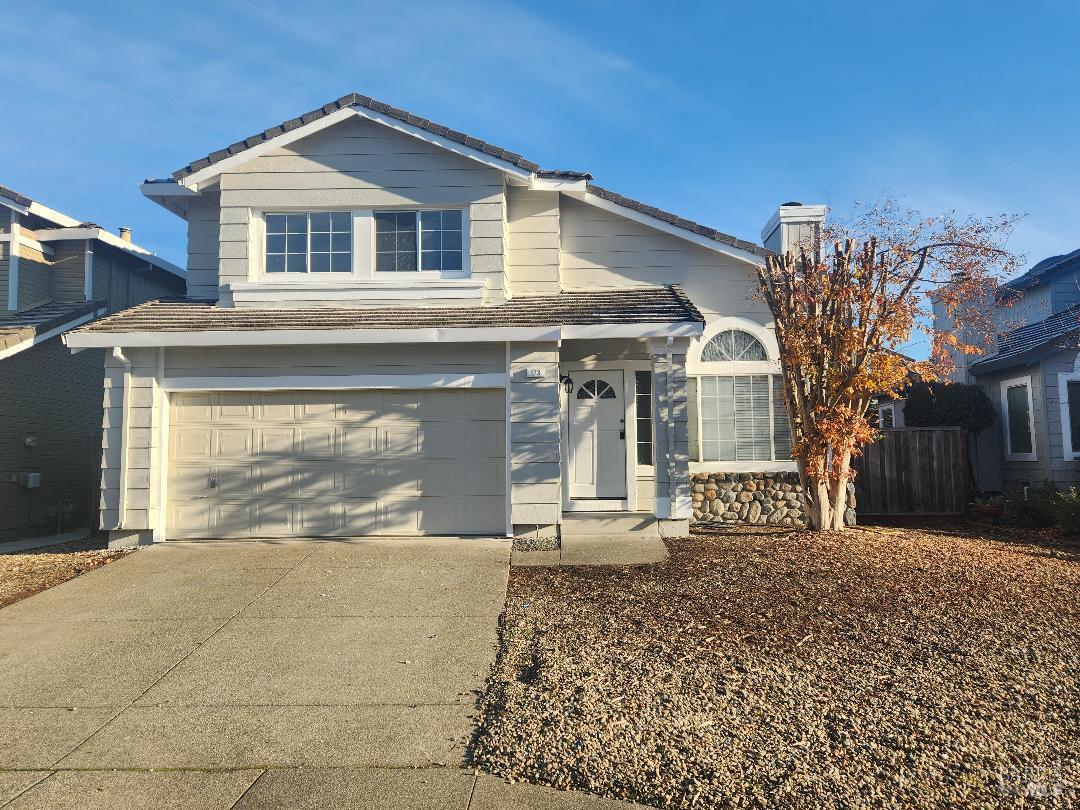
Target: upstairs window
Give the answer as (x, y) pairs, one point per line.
(317, 242)
(410, 241)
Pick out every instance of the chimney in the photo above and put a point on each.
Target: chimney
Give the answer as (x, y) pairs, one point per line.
(792, 225)
(125, 233)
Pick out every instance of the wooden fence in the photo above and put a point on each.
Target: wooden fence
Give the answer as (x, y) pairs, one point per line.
(914, 471)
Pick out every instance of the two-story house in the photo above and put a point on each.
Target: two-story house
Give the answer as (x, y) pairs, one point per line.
(56, 273)
(396, 328)
(1033, 378)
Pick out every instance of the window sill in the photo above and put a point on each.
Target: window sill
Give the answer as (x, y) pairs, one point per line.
(1021, 457)
(353, 289)
(742, 466)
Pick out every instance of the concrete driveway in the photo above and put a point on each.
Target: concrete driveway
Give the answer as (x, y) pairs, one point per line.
(261, 674)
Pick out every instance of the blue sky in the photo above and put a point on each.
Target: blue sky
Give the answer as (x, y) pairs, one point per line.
(718, 111)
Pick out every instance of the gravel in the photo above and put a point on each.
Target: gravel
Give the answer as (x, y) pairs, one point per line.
(23, 574)
(915, 668)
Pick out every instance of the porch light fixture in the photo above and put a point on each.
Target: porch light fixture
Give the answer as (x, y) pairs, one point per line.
(567, 383)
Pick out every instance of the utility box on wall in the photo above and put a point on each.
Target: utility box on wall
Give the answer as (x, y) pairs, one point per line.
(30, 480)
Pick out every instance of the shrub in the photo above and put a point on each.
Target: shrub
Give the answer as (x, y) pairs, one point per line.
(1045, 506)
(948, 405)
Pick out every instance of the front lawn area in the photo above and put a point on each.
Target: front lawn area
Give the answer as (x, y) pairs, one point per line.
(911, 668)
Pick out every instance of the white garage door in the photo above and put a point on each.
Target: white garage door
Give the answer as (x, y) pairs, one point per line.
(336, 463)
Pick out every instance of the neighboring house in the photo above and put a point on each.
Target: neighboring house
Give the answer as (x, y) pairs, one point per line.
(396, 328)
(1033, 378)
(56, 273)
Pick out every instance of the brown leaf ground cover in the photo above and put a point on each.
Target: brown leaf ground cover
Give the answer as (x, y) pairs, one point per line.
(915, 668)
(26, 573)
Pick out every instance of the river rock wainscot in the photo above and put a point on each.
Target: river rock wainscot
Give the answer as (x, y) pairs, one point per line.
(754, 499)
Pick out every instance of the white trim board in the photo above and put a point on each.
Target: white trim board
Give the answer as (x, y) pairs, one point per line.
(341, 382)
(316, 337)
(41, 338)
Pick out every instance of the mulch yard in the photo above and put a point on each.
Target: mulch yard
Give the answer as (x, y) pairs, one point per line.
(25, 573)
(916, 668)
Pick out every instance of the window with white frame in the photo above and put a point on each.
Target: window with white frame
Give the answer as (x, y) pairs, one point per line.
(741, 412)
(1072, 404)
(427, 240)
(743, 418)
(1019, 425)
(643, 417)
(316, 242)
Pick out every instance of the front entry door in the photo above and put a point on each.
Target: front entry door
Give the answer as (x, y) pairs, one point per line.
(597, 436)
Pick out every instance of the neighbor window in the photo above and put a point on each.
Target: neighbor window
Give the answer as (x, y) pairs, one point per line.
(408, 241)
(317, 242)
(1073, 393)
(743, 418)
(1016, 402)
(643, 416)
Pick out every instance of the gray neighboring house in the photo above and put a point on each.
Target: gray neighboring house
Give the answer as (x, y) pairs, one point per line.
(1033, 378)
(57, 272)
(393, 327)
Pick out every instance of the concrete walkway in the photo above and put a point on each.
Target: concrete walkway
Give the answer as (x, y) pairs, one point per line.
(259, 674)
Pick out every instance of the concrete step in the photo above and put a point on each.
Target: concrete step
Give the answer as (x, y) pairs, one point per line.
(595, 523)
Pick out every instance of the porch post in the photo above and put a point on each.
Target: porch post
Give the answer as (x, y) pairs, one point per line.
(672, 438)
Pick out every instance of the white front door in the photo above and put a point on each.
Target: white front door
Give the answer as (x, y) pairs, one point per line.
(597, 435)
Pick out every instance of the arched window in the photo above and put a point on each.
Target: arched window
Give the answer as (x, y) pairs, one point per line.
(596, 389)
(741, 411)
(733, 344)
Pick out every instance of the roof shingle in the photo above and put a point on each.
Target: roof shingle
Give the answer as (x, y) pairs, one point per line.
(629, 305)
(1052, 333)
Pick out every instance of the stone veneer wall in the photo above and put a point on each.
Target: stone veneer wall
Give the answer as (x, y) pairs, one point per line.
(754, 499)
(749, 498)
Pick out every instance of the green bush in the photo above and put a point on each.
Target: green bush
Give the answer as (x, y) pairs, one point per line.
(1045, 506)
(947, 404)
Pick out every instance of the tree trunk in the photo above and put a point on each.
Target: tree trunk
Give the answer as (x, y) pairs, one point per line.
(840, 491)
(827, 499)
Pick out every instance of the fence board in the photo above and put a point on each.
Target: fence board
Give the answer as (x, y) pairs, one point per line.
(914, 471)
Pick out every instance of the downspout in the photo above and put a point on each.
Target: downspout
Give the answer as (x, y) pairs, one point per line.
(671, 429)
(121, 518)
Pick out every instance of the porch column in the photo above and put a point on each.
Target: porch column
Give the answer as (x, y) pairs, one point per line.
(533, 416)
(672, 438)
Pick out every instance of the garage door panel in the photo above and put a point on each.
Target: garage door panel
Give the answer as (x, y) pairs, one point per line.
(361, 480)
(400, 515)
(401, 476)
(318, 441)
(360, 517)
(231, 519)
(233, 442)
(192, 408)
(332, 463)
(485, 477)
(276, 442)
(486, 405)
(359, 441)
(190, 443)
(234, 406)
(274, 519)
(276, 407)
(399, 440)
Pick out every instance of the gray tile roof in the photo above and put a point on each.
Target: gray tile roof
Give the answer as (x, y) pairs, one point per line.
(1041, 273)
(630, 305)
(368, 103)
(1048, 335)
(14, 195)
(17, 327)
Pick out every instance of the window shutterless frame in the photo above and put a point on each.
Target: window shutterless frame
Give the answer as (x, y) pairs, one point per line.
(363, 259)
(1013, 385)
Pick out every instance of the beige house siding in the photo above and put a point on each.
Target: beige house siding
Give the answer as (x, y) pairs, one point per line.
(35, 280)
(358, 164)
(532, 256)
(602, 249)
(69, 270)
(54, 397)
(204, 232)
(535, 469)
